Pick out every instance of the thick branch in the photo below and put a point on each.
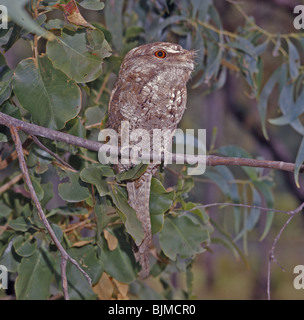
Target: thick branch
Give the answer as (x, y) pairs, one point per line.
(212, 161)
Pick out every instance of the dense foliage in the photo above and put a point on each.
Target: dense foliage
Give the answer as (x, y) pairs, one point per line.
(65, 85)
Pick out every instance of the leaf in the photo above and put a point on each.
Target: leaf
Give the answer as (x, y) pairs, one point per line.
(294, 60)
(25, 245)
(111, 240)
(95, 175)
(54, 24)
(92, 4)
(72, 14)
(104, 288)
(75, 128)
(94, 115)
(10, 259)
(87, 257)
(253, 217)
(265, 190)
(5, 84)
(292, 113)
(182, 237)
(17, 12)
(75, 190)
(19, 224)
(286, 102)
(48, 94)
(71, 54)
(5, 211)
(160, 201)
(128, 214)
(263, 99)
(34, 276)
(299, 162)
(243, 45)
(119, 263)
(158, 27)
(133, 173)
(114, 22)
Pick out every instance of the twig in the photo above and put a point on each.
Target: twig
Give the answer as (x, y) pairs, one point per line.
(271, 252)
(218, 204)
(53, 154)
(10, 183)
(64, 254)
(102, 88)
(212, 161)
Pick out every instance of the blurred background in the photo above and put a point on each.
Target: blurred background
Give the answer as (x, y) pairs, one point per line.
(232, 113)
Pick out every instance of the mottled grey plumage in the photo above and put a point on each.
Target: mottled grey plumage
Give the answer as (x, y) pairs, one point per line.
(150, 93)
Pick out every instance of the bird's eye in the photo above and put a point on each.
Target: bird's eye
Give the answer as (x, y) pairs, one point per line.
(160, 54)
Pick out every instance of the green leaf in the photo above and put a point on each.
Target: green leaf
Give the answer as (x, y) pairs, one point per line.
(128, 214)
(160, 202)
(19, 224)
(264, 188)
(25, 245)
(4, 210)
(299, 162)
(34, 276)
(17, 12)
(88, 260)
(11, 110)
(10, 259)
(72, 54)
(94, 175)
(94, 115)
(48, 94)
(133, 173)
(158, 27)
(114, 22)
(92, 4)
(54, 24)
(133, 32)
(182, 237)
(293, 112)
(75, 128)
(58, 232)
(287, 104)
(5, 84)
(75, 190)
(294, 60)
(120, 262)
(263, 99)
(243, 45)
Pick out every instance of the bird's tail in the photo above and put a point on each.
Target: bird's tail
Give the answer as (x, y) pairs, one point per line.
(139, 196)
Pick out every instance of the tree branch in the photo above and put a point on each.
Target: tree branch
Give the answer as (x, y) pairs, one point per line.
(212, 161)
(26, 176)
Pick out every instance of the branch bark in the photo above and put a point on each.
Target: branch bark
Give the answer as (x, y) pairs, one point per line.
(64, 255)
(211, 160)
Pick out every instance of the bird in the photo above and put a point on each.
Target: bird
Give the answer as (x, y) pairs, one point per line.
(150, 93)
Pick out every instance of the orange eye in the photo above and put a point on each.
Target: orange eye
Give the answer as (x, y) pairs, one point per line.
(160, 54)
